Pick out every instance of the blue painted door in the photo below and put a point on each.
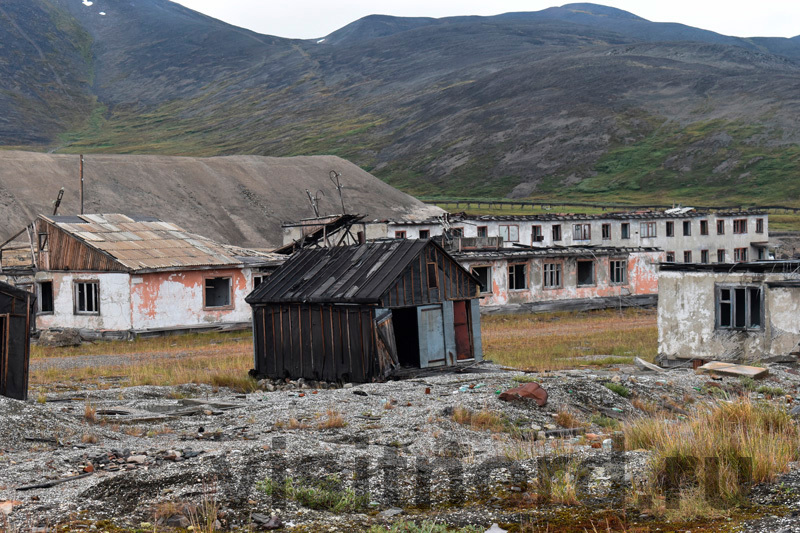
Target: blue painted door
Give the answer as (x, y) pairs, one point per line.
(431, 336)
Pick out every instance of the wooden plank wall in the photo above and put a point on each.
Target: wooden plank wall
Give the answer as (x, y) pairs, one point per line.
(68, 253)
(319, 342)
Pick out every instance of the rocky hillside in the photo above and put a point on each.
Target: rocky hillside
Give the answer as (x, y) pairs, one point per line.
(575, 101)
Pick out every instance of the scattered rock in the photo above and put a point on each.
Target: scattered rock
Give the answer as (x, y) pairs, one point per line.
(394, 511)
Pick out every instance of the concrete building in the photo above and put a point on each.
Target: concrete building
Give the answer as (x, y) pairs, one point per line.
(729, 312)
(685, 235)
(115, 275)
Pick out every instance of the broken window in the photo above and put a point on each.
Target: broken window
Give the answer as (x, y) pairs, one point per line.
(87, 297)
(720, 227)
(740, 225)
(581, 232)
(509, 232)
(647, 229)
(739, 307)
(484, 275)
(704, 256)
(740, 255)
(218, 292)
(556, 232)
(625, 230)
(759, 225)
(687, 227)
(257, 280)
(670, 257)
(483, 231)
(433, 276)
(426, 234)
(399, 234)
(670, 228)
(619, 271)
(46, 297)
(720, 256)
(536, 234)
(552, 275)
(516, 277)
(457, 232)
(606, 231)
(585, 273)
(704, 227)
(687, 256)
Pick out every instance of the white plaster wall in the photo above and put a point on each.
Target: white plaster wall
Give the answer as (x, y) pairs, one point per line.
(115, 309)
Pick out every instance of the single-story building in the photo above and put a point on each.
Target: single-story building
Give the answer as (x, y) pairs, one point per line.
(355, 313)
(115, 275)
(734, 312)
(17, 313)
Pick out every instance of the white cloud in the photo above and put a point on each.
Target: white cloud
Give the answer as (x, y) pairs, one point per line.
(87, 3)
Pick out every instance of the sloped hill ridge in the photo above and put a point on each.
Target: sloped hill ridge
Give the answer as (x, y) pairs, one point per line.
(580, 99)
(240, 200)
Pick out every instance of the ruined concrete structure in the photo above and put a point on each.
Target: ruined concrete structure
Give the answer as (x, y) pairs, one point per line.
(117, 275)
(729, 312)
(357, 313)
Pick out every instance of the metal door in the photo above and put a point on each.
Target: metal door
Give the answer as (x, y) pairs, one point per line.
(431, 336)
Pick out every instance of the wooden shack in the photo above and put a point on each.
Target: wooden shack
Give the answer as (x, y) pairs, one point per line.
(16, 317)
(357, 313)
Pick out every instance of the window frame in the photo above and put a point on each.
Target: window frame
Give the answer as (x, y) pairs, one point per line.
(648, 230)
(720, 227)
(488, 288)
(536, 231)
(687, 228)
(733, 308)
(704, 227)
(721, 254)
(400, 234)
(457, 232)
(231, 302)
(618, 271)
(482, 231)
(582, 232)
(577, 271)
(605, 231)
(687, 256)
(427, 234)
(508, 231)
(759, 225)
(75, 298)
(513, 276)
(669, 229)
(435, 271)
(556, 231)
(260, 276)
(552, 269)
(625, 230)
(739, 226)
(40, 298)
(740, 255)
(705, 257)
(670, 257)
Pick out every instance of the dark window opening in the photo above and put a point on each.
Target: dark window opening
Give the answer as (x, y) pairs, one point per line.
(557, 232)
(426, 234)
(257, 280)
(536, 234)
(585, 273)
(399, 234)
(687, 256)
(670, 257)
(87, 298)
(704, 256)
(457, 232)
(483, 231)
(625, 230)
(740, 225)
(704, 227)
(687, 227)
(433, 276)
(218, 292)
(619, 270)
(740, 255)
(720, 227)
(46, 297)
(552, 275)
(484, 275)
(759, 225)
(516, 277)
(739, 308)
(605, 229)
(670, 229)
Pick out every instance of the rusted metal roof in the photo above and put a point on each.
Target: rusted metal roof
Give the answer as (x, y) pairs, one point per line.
(147, 243)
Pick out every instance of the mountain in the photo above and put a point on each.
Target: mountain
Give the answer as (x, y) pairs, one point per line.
(577, 101)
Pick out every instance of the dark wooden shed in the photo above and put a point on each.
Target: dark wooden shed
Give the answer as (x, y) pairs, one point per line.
(16, 318)
(356, 313)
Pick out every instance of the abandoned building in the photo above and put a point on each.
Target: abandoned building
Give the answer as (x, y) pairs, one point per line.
(684, 234)
(739, 312)
(115, 276)
(17, 312)
(560, 279)
(356, 313)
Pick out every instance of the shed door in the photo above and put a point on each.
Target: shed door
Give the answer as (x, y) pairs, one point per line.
(461, 324)
(431, 336)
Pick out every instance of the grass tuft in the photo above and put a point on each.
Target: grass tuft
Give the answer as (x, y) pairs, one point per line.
(616, 388)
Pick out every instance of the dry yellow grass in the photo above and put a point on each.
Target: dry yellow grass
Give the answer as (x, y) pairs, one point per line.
(333, 419)
(483, 420)
(554, 341)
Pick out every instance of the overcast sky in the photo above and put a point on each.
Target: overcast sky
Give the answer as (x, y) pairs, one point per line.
(306, 19)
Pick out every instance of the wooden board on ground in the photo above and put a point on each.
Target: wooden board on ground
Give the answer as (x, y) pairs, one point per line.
(730, 369)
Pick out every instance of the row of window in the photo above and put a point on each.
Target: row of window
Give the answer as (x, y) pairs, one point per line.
(739, 256)
(583, 231)
(552, 275)
(86, 295)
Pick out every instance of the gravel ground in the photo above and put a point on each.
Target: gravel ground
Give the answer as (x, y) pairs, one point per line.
(153, 449)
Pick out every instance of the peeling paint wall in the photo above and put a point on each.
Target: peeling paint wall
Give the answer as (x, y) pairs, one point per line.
(114, 313)
(642, 278)
(687, 318)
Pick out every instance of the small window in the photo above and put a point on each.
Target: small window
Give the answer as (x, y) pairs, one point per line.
(647, 229)
(704, 227)
(704, 258)
(762, 254)
(556, 232)
(687, 228)
(484, 275)
(670, 228)
(720, 256)
(585, 273)
(740, 255)
(258, 279)
(759, 225)
(739, 308)
(433, 276)
(218, 292)
(581, 232)
(457, 232)
(720, 227)
(46, 297)
(516, 277)
(483, 231)
(619, 271)
(509, 232)
(740, 225)
(552, 275)
(606, 231)
(687, 256)
(87, 297)
(424, 234)
(670, 257)
(625, 230)
(400, 234)
(536, 234)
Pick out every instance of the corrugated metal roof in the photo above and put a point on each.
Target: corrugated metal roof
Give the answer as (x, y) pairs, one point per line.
(146, 243)
(343, 274)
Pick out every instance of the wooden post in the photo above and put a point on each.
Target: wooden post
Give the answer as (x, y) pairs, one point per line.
(81, 184)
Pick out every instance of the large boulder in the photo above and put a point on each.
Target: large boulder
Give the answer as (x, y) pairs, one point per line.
(60, 337)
